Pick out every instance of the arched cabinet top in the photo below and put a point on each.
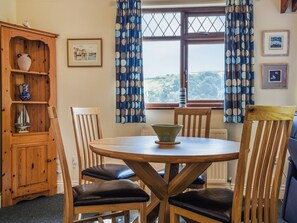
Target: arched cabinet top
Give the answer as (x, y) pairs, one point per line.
(28, 30)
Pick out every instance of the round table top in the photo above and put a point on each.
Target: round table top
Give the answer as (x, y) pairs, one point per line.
(144, 149)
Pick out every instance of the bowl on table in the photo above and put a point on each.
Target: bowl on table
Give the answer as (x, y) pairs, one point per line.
(166, 133)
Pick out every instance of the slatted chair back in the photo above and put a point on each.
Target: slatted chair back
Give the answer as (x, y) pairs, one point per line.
(68, 196)
(265, 135)
(88, 194)
(87, 127)
(195, 121)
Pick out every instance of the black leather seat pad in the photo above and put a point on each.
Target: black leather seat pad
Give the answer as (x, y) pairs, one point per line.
(108, 192)
(109, 172)
(215, 203)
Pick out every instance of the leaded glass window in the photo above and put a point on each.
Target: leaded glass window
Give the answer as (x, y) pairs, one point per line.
(183, 48)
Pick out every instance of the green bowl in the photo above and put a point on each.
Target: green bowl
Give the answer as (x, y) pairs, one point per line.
(166, 132)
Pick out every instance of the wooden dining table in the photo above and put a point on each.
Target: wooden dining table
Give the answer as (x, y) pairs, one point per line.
(138, 152)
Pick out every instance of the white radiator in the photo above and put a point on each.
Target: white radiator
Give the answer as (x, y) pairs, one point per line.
(217, 172)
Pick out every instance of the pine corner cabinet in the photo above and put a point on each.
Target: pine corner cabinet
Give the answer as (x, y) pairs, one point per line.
(28, 153)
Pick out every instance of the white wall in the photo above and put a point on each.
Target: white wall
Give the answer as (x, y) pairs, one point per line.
(267, 17)
(8, 11)
(96, 86)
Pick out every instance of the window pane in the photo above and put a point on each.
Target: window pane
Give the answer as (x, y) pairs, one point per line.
(161, 24)
(161, 62)
(205, 71)
(206, 24)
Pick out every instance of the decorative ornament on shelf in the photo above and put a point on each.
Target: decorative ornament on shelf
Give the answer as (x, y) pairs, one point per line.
(24, 61)
(26, 24)
(23, 120)
(24, 94)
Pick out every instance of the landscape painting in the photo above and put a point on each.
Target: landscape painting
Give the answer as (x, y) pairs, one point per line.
(276, 43)
(84, 52)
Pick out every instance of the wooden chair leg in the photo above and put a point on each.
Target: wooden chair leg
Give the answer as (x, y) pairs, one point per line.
(174, 218)
(68, 217)
(77, 216)
(127, 216)
(100, 220)
(142, 214)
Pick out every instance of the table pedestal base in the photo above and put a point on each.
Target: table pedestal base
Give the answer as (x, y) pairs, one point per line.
(174, 182)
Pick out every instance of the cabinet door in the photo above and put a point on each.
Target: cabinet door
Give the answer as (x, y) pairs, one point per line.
(29, 168)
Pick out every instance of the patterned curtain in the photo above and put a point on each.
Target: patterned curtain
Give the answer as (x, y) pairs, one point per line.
(128, 59)
(239, 59)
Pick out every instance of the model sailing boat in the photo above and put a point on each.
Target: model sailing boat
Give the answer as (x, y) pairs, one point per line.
(23, 120)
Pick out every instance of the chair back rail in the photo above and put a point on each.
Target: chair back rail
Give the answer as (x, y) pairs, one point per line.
(87, 127)
(196, 123)
(69, 209)
(194, 120)
(68, 196)
(265, 132)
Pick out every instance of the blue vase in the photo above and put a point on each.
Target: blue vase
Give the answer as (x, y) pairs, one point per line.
(24, 94)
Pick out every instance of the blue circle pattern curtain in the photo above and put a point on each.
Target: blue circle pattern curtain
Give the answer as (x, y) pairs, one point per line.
(239, 59)
(128, 59)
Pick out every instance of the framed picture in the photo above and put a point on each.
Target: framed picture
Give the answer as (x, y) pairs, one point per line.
(274, 76)
(276, 43)
(84, 52)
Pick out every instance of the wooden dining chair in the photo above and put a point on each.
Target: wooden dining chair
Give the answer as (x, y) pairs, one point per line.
(97, 197)
(92, 167)
(196, 123)
(265, 135)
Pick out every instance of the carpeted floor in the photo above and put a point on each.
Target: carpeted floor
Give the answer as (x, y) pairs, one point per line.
(41, 210)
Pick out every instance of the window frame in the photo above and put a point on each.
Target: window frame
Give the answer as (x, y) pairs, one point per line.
(186, 39)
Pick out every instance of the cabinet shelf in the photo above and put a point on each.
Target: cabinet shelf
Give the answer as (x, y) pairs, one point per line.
(29, 72)
(30, 102)
(30, 133)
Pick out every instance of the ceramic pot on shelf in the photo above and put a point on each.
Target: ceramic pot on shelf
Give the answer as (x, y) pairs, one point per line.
(24, 94)
(24, 61)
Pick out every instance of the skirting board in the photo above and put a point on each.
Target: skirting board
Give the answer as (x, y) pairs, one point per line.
(60, 186)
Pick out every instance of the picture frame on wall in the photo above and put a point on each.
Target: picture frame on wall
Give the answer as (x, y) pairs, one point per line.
(84, 52)
(274, 76)
(276, 43)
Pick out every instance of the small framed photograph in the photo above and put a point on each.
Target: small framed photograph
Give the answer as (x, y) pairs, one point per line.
(274, 76)
(84, 52)
(276, 43)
